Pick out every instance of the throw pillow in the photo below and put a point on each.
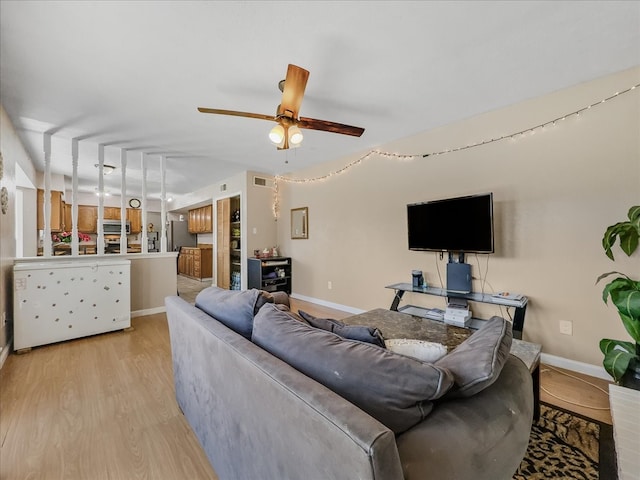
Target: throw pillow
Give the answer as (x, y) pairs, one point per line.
(396, 390)
(477, 362)
(233, 308)
(352, 332)
(422, 350)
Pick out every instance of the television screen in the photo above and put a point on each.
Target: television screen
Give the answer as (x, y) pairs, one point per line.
(462, 224)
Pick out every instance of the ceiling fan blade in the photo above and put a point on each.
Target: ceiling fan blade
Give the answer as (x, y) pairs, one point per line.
(237, 114)
(293, 91)
(333, 127)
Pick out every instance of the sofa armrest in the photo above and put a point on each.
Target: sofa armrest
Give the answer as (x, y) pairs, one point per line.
(281, 298)
(480, 437)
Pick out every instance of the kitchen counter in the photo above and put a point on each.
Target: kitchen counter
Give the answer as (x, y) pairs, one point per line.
(61, 249)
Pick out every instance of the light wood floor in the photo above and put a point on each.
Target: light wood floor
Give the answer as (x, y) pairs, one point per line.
(103, 407)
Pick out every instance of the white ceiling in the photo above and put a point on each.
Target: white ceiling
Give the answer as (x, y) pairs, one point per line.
(131, 74)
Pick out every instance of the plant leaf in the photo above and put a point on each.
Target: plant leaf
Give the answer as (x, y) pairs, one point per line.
(634, 213)
(629, 240)
(632, 326)
(626, 300)
(616, 360)
(609, 238)
(614, 284)
(627, 232)
(606, 345)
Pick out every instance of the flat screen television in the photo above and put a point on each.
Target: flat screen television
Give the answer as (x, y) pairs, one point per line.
(462, 224)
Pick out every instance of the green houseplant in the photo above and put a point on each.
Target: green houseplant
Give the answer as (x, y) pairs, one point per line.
(622, 359)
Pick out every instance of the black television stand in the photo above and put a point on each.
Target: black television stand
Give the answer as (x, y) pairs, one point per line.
(520, 304)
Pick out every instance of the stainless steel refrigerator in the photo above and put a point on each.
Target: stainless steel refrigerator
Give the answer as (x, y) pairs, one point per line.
(179, 236)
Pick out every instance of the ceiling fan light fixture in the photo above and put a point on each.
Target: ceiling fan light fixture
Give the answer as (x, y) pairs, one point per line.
(276, 135)
(295, 136)
(106, 169)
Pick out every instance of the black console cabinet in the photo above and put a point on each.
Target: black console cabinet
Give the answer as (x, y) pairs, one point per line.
(271, 274)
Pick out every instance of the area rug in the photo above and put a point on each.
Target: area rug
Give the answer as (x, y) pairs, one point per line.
(565, 445)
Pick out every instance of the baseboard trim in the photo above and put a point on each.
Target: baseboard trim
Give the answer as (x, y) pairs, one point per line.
(148, 311)
(324, 303)
(575, 366)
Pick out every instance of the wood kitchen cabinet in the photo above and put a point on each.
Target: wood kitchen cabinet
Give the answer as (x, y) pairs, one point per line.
(111, 213)
(193, 220)
(134, 216)
(57, 211)
(201, 219)
(87, 219)
(196, 262)
(68, 223)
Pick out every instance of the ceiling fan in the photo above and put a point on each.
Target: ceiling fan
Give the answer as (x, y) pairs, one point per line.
(286, 134)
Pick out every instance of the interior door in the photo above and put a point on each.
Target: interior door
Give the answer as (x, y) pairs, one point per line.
(223, 264)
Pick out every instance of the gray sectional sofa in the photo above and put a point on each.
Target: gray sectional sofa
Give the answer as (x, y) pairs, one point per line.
(238, 360)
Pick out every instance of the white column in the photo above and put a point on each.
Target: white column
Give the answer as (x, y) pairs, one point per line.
(75, 250)
(123, 202)
(163, 205)
(100, 241)
(46, 207)
(143, 241)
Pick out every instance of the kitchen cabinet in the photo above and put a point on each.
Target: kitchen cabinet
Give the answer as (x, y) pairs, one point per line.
(201, 219)
(134, 216)
(87, 219)
(57, 211)
(196, 262)
(194, 220)
(68, 223)
(111, 213)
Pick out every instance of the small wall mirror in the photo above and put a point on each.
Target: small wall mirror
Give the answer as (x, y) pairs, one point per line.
(300, 223)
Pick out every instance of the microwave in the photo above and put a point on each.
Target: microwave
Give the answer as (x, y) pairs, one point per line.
(114, 227)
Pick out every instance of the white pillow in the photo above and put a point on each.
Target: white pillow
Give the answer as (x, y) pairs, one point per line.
(419, 349)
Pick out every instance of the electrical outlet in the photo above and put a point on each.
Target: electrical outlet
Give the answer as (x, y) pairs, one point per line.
(566, 327)
(329, 284)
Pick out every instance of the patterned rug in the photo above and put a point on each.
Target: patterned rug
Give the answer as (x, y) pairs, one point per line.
(564, 445)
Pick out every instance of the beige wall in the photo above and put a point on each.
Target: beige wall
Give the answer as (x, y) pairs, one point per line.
(13, 154)
(555, 192)
(261, 227)
(153, 277)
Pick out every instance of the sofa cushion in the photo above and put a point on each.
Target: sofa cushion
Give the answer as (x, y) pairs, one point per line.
(234, 308)
(420, 349)
(361, 333)
(395, 389)
(477, 362)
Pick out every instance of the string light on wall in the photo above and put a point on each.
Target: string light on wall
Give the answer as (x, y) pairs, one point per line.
(512, 136)
(276, 201)
(403, 157)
